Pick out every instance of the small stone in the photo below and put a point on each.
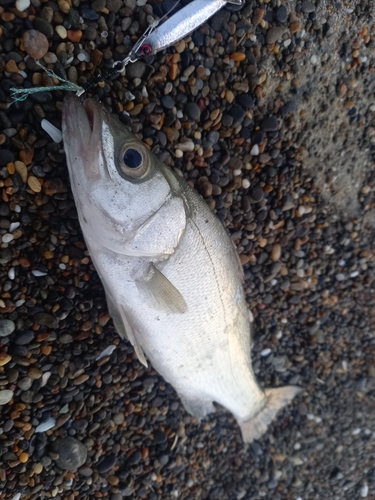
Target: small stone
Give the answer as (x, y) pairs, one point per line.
(167, 101)
(274, 34)
(282, 14)
(35, 43)
(5, 396)
(288, 202)
(238, 56)
(72, 454)
(21, 169)
(295, 26)
(34, 184)
(307, 7)
(64, 6)
(270, 124)
(113, 5)
(256, 194)
(61, 31)
(24, 457)
(74, 35)
(254, 150)
(107, 464)
(11, 66)
(22, 5)
(276, 252)
(34, 373)
(7, 326)
(46, 320)
(4, 358)
(38, 468)
(192, 111)
(136, 70)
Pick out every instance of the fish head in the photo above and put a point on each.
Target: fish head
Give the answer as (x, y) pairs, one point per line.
(118, 184)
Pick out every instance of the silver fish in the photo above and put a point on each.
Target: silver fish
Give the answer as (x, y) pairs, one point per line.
(171, 274)
(160, 36)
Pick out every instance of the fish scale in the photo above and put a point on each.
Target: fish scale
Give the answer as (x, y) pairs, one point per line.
(171, 274)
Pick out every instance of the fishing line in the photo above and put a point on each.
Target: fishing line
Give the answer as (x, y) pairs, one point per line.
(19, 95)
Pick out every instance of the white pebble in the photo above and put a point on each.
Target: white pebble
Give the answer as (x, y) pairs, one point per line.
(22, 5)
(287, 42)
(69, 61)
(342, 262)
(372, 107)
(141, 3)
(62, 266)
(20, 303)
(178, 153)
(7, 238)
(107, 352)
(245, 183)
(254, 150)
(356, 431)
(297, 446)
(5, 396)
(17, 209)
(83, 56)
(180, 114)
(314, 60)
(38, 273)
(64, 409)
(274, 282)
(237, 172)
(17, 496)
(187, 146)
(47, 425)
(144, 92)
(340, 277)
(14, 226)
(265, 352)
(11, 273)
(364, 491)
(52, 131)
(45, 378)
(354, 274)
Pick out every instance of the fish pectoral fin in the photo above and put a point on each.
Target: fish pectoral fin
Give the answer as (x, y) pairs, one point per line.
(274, 400)
(123, 327)
(162, 292)
(198, 407)
(116, 316)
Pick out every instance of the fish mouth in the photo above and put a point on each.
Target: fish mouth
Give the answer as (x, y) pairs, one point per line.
(81, 123)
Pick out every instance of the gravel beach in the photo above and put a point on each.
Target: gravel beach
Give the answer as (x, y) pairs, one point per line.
(268, 110)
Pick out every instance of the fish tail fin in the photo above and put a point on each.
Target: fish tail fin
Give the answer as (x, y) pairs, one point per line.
(275, 400)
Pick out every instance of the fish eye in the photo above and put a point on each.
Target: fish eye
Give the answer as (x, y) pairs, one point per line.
(132, 158)
(134, 161)
(146, 49)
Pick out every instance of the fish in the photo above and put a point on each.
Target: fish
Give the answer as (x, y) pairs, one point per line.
(171, 274)
(160, 35)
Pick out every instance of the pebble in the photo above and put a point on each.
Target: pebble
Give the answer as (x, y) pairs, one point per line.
(7, 327)
(22, 5)
(107, 464)
(282, 14)
(72, 454)
(136, 70)
(308, 7)
(52, 131)
(5, 396)
(256, 194)
(270, 124)
(274, 34)
(192, 111)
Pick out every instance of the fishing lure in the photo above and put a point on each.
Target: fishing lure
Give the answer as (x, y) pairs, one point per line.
(160, 35)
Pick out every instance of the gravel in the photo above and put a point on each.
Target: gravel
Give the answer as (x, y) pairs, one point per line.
(268, 112)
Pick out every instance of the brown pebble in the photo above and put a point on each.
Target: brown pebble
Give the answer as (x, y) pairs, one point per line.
(35, 43)
(81, 379)
(11, 67)
(21, 169)
(295, 26)
(173, 72)
(74, 35)
(276, 252)
(238, 56)
(34, 373)
(26, 156)
(34, 184)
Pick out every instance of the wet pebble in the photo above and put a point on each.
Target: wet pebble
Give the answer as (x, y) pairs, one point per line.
(71, 453)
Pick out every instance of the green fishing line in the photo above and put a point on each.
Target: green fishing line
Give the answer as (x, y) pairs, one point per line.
(19, 95)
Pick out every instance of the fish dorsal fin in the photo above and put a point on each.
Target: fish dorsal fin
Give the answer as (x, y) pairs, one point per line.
(162, 292)
(160, 233)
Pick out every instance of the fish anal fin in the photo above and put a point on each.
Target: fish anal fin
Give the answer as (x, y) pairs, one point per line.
(116, 316)
(198, 407)
(162, 292)
(275, 399)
